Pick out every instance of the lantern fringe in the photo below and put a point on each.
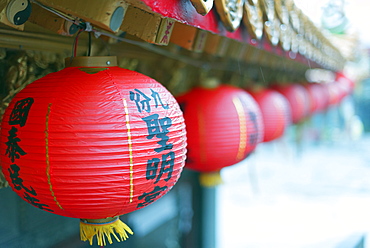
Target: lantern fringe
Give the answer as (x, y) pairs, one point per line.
(210, 179)
(116, 228)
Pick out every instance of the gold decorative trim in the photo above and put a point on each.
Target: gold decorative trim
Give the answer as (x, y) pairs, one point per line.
(242, 126)
(47, 156)
(129, 140)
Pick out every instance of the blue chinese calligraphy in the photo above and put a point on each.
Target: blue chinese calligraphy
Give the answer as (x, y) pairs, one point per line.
(159, 128)
(161, 167)
(167, 163)
(150, 196)
(13, 150)
(142, 101)
(20, 112)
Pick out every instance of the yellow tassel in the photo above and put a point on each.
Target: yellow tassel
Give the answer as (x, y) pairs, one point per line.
(104, 228)
(210, 179)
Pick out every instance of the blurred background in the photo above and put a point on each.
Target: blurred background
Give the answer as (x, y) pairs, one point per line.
(311, 188)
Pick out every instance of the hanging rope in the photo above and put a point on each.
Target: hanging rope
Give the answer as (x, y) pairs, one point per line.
(89, 49)
(75, 43)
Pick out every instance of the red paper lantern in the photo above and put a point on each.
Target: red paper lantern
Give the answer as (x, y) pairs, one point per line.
(344, 86)
(224, 125)
(298, 99)
(335, 93)
(346, 83)
(93, 141)
(318, 97)
(312, 93)
(275, 111)
(340, 88)
(324, 104)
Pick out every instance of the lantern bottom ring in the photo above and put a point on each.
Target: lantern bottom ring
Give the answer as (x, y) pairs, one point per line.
(100, 221)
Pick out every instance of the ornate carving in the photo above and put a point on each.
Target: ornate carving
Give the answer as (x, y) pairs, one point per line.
(3, 182)
(202, 6)
(230, 12)
(294, 16)
(294, 45)
(284, 25)
(285, 36)
(253, 18)
(282, 11)
(271, 26)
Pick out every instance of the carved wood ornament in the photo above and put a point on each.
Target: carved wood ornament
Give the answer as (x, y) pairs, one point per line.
(202, 6)
(253, 18)
(230, 12)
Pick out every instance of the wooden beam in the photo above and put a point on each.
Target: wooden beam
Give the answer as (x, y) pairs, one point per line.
(107, 14)
(38, 39)
(147, 26)
(52, 22)
(183, 35)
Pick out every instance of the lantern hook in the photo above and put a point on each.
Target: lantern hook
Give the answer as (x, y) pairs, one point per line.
(85, 27)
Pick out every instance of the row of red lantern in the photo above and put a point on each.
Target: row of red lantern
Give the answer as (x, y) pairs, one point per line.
(95, 141)
(225, 124)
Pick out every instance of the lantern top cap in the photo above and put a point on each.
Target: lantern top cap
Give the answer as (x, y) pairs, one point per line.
(91, 61)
